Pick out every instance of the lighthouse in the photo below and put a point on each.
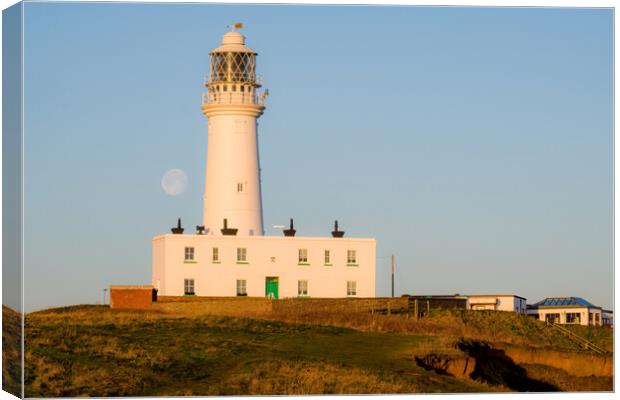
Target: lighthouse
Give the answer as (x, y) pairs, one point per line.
(229, 255)
(233, 103)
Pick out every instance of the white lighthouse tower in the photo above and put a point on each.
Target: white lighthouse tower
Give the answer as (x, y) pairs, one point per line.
(232, 104)
(236, 258)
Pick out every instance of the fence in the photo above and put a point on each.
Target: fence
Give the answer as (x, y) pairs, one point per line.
(585, 343)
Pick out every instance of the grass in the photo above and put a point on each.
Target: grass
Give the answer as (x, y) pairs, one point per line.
(495, 327)
(11, 351)
(95, 351)
(255, 346)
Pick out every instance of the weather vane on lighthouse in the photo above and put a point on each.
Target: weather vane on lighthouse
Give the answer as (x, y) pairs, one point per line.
(237, 25)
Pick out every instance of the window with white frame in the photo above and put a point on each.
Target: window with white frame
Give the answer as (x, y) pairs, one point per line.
(242, 287)
(189, 254)
(242, 255)
(351, 288)
(216, 255)
(240, 187)
(351, 257)
(303, 256)
(189, 286)
(328, 257)
(302, 288)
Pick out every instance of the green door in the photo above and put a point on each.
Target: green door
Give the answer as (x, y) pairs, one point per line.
(271, 287)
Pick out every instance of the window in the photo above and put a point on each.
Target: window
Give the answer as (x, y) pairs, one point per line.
(242, 255)
(240, 187)
(216, 255)
(302, 288)
(351, 257)
(573, 318)
(552, 318)
(189, 254)
(303, 256)
(328, 258)
(242, 88)
(351, 288)
(189, 287)
(225, 87)
(241, 287)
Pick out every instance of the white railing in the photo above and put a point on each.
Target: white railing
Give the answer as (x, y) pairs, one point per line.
(236, 79)
(234, 98)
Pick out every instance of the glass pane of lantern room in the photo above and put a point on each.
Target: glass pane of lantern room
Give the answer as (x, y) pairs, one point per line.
(220, 67)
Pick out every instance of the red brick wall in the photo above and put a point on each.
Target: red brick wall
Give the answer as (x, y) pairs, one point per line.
(130, 298)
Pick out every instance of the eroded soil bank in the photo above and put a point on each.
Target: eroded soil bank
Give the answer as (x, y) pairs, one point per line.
(523, 369)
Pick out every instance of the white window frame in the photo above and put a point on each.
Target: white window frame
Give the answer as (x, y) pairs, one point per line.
(302, 288)
(242, 287)
(351, 257)
(242, 255)
(189, 283)
(351, 288)
(189, 253)
(302, 257)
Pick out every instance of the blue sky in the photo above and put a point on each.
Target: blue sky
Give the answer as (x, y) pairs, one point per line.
(475, 144)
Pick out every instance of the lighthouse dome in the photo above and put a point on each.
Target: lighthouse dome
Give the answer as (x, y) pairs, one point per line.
(233, 42)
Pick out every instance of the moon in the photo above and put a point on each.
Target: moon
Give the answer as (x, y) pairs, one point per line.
(174, 182)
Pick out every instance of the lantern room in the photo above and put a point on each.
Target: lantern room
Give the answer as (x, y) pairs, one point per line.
(233, 76)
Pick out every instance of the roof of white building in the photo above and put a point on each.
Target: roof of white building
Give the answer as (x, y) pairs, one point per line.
(495, 295)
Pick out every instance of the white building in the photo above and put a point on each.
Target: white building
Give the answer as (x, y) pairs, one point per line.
(567, 310)
(608, 318)
(229, 256)
(498, 302)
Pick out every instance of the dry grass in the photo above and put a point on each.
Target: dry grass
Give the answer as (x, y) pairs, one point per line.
(372, 315)
(300, 378)
(257, 346)
(11, 351)
(95, 351)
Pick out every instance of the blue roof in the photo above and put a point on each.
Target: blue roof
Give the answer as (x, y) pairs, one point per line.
(563, 302)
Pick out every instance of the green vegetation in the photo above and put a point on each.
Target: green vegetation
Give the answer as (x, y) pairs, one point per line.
(254, 346)
(11, 351)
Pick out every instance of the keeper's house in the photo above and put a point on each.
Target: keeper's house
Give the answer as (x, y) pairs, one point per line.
(567, 310)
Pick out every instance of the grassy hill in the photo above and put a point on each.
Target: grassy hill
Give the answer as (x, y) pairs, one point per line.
(11, 351)
(255, 346)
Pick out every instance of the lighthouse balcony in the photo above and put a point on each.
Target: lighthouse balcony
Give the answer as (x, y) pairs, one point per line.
(234, 77)
(234, 98)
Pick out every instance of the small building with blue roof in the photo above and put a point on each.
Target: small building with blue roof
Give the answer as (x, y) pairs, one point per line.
(567, 310)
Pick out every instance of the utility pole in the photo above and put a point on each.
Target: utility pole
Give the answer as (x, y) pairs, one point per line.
(104, 292)
(392, 275)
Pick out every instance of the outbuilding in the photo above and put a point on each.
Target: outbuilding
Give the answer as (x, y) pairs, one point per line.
(132, 296)
(567, 310)
(498, 302)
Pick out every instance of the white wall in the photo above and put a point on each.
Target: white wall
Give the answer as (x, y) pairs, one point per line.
(232, 158)
(497, 303)
(268, 256)
(583, 311)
